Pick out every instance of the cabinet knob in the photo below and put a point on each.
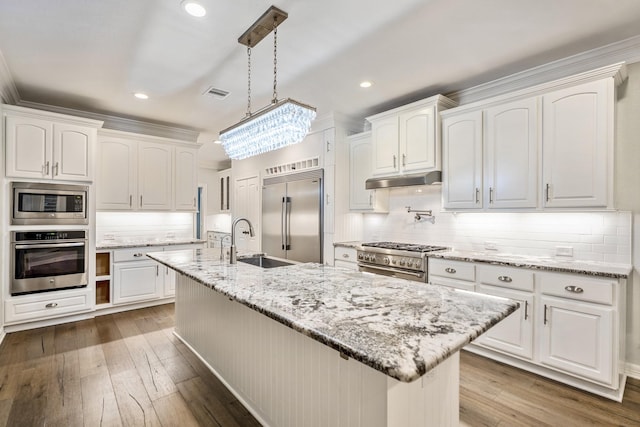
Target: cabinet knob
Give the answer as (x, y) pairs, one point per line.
(506, 279)
(450, 270)
(51, 305)
(138, 255)
(574, 289)
(345, 255)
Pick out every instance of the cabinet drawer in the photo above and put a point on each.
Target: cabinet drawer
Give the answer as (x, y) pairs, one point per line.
(577, 287)
(505, 277)
(459, 270)
(46, 306)
(345, 254)
(133, 254)
(346, 264)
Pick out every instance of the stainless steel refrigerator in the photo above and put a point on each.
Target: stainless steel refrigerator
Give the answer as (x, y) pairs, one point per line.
(292, 216)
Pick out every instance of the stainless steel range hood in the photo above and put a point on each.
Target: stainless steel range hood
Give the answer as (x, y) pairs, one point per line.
(404, 180)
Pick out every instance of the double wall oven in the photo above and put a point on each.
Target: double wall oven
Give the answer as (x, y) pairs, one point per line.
(56, 257)
(402, 260)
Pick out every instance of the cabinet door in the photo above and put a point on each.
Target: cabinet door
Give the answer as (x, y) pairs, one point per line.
(185, 179)
(462, 161)
(72, 148)
(578, 338)
(136, 281)
(511, 158)
(155, 173)
(577, 140)
(514, 334)
(385, 146)
(417, 135)
(359, 170)
(169, 281)
(116, 180)
(29, 144)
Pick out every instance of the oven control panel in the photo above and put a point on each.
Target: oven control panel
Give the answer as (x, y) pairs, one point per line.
(406, 262)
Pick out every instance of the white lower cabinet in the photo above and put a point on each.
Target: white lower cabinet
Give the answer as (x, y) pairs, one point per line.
(46, 305)
(568, 326)
(136, 281)
(346, 257)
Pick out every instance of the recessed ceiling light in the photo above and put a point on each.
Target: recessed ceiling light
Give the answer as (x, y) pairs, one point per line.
(141, 95)
(194, 8)
(365, 84)
(217, 141)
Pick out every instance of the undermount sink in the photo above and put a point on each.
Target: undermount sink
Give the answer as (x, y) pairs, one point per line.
(264, 262)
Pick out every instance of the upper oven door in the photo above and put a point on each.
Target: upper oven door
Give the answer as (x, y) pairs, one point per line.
(43, 204)
(47, 266)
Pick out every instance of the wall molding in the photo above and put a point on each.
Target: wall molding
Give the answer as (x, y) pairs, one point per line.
(8, 90)
(627, 50)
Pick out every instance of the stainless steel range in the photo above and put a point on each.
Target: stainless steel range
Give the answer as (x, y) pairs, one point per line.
(403, 260)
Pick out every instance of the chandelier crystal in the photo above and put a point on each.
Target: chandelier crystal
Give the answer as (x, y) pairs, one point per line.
(282, 123)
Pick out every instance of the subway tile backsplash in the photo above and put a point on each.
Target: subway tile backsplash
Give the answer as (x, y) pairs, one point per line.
(128, 226)
(593, 236)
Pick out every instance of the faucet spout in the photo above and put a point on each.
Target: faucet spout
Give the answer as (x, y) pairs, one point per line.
(233, 254)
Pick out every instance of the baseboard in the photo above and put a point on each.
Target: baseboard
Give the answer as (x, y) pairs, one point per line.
(632, 370)
(2, 335)
(101, 311)
(48, 322)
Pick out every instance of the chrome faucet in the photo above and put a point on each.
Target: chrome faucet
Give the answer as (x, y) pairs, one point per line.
(233, 256)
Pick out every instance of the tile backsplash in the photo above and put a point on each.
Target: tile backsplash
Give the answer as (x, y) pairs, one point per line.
(125, 226)
(588, 236)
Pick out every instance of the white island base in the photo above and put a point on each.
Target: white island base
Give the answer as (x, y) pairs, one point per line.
(285, 378)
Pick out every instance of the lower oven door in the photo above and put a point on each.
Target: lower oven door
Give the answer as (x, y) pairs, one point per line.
(418, 276)
(43, 267)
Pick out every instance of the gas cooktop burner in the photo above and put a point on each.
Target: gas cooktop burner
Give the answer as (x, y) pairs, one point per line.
(411, 247)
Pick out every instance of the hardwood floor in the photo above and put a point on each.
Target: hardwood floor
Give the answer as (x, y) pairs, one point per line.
(128, 369)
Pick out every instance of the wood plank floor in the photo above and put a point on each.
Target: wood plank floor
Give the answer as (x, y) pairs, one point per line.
(128, 369)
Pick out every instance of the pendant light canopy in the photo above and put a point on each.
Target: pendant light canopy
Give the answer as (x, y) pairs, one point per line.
(277, 125)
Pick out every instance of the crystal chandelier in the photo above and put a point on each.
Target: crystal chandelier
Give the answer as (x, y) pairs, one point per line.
(277, 125)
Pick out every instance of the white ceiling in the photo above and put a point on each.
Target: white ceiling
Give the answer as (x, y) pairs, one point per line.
(92, 55)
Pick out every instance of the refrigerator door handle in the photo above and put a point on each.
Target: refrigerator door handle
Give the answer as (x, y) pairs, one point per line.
(287, 222)
(283, 225)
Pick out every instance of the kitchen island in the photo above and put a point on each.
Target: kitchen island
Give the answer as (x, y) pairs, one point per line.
(310, 344)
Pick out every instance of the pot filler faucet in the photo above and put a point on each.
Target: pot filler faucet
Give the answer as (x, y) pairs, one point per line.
(233, 258)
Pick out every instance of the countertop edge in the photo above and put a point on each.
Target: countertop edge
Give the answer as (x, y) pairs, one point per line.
(123, 245)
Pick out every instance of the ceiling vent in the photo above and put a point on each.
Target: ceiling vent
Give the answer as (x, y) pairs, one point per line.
(216, 93)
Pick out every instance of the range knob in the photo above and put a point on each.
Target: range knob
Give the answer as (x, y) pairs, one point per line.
(386, 260)
(373, 258)
(409, 263)
(360, 256)
(394, 261)
(418, 263)
(402, 261)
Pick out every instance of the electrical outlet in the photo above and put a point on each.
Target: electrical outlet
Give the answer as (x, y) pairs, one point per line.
(109, 236)
(564, 251)
(490, 246)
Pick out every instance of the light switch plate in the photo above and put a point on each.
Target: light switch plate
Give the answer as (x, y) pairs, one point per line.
(490, 246)
(564, 251)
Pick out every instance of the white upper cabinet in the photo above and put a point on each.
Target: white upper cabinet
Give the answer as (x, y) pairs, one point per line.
(462, 161)
(185, 183)
(511, 157)
(43, 145)
(137, 172)
(407, 139)
(577, 145)
(116, 181)
(361, 199)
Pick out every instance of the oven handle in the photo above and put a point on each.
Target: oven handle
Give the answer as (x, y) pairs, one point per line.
(52, 245)
(396, 270)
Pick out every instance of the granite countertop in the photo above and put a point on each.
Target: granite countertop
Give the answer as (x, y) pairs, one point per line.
(353, 244)
(590, 268)
(121, 244)
(398, 327)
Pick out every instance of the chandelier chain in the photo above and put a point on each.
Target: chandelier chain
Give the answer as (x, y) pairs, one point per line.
(249, 81)
(275, 61)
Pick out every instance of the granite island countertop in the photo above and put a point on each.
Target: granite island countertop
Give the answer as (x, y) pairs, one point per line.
(121, 244)
(589, 268)
(398, 327)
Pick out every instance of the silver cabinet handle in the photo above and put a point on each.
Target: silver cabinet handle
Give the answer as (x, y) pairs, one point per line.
(46, 168)
(345, 255)
(574, 289)
(166, 270)
(490, 194)
(141, 200)
(370, 199)
(450, 270)
(56, 168)
(404, 160)
(394, 161)
(327, 200)
(51, 305)
(130, 200)
(157, 270)
(505, 279)
(138, 255)
(477, 195)
(545, 314)
(328, 146)
(547, 191)
(194, 202)
(526, 310)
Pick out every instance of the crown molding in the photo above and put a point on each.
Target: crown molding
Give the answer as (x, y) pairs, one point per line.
(627, 50)
(121, 123)
(8, 90)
